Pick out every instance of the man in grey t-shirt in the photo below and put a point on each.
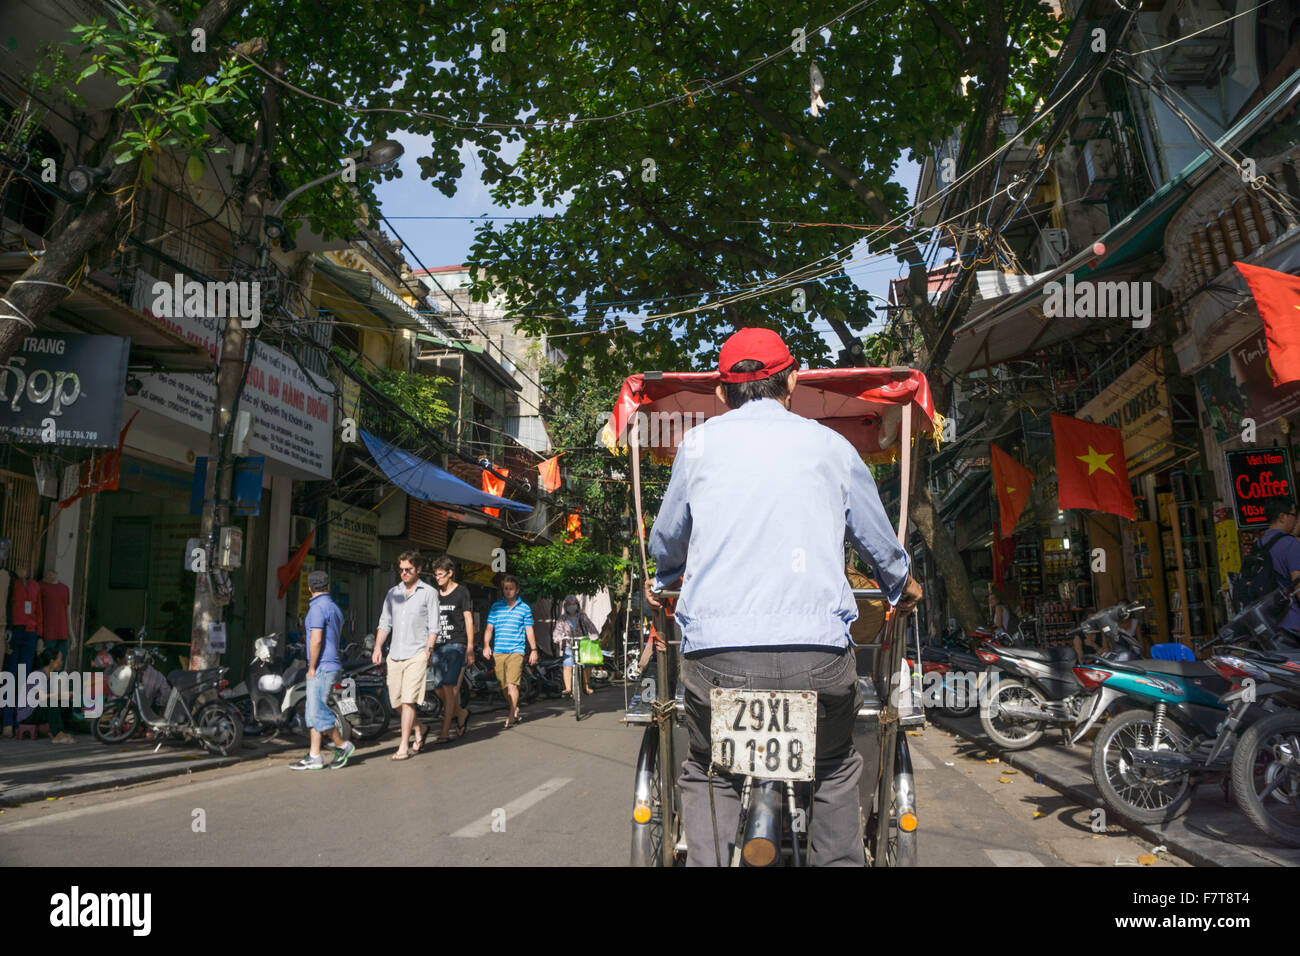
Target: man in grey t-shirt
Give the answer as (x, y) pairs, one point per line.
(410, 615)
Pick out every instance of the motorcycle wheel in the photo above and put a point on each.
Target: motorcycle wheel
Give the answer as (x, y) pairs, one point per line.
(117, 723)
(1011, 735)
(1143, 795)
(372, 716)
(528, 686)
(224, 719)
(1266, 776)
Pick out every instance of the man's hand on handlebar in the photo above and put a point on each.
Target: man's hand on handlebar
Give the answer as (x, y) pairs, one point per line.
(911, 595)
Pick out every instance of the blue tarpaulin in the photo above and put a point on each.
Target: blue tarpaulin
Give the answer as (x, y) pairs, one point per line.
(426, 481)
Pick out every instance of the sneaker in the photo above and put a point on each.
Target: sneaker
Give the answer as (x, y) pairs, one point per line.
(341, 755)
(308, 763)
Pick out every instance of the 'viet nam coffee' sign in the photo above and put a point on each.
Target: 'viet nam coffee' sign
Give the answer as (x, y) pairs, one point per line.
(1257, 477)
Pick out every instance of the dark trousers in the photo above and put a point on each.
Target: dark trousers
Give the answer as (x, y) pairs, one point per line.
(22, 650)
(836, 830)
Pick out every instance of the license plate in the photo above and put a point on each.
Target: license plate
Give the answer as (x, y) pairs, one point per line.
(347, 705)
(770, 734)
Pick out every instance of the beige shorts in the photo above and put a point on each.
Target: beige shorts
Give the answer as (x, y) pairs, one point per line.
(406, 679)
(509, 668)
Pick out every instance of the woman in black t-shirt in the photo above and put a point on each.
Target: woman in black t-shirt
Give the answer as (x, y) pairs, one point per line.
(455, 645)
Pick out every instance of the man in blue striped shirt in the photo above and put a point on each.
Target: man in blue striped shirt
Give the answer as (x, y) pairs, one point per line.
(510, 621)
(765, 499)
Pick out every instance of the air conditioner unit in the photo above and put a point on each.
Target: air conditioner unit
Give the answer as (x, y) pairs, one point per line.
(299, 528)
(1201, 58)
(1095, 171)
(1053, 247)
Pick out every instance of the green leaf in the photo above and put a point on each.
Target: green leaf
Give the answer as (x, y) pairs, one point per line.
(194, 167)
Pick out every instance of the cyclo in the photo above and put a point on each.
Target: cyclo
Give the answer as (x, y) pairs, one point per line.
(879, 411)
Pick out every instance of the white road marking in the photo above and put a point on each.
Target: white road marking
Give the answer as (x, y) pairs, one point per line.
(66, 815)
(483, 825)
(1012, 858)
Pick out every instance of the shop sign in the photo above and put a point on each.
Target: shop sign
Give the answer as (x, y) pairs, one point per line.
(1239, 385)
(293, 421)
(1137, 403)
(64, 390)
(1258, 476)
(351, 534)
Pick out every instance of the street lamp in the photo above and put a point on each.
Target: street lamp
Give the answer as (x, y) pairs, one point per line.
(381, 155)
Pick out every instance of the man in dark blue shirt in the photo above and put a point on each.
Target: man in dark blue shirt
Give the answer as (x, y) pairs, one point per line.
(324, 626)
(1285, 553)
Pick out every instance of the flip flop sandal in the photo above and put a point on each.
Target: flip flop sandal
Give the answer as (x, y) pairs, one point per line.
(419, 742)
(440, 740)
(405, 756)
(463, 725)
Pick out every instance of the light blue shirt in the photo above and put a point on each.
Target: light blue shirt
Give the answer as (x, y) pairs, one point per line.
(508, 622)
(762, 500)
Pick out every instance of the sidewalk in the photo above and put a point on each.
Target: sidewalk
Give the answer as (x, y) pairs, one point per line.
(1212, 833)
(32, 770)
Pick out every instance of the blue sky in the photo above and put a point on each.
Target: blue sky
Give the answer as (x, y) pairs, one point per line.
(441, 242)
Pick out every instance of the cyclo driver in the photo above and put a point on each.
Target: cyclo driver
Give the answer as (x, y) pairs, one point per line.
(765, 498)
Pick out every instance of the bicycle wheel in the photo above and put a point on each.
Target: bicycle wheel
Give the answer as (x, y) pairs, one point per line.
(648, 804)
(577, 691)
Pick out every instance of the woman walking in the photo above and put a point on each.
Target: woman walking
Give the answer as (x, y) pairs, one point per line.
(571, 626)
(455, 646)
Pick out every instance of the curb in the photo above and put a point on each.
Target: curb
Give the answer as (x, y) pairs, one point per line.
(1185, 846)
(109, 780)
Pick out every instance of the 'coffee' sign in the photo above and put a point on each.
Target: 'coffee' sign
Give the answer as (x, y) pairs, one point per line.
(1258, 477)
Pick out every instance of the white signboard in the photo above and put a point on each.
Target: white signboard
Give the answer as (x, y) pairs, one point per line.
(292, 420)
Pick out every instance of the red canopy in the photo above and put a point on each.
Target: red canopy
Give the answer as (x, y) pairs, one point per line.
(865, 405)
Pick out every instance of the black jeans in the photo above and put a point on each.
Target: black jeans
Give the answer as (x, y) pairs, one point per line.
(836, 832)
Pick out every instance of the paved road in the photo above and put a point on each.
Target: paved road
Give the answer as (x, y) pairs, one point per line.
(550, 791)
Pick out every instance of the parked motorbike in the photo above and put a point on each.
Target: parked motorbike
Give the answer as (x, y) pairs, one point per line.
(277, 694)
(1266, 762)
(1147, 762)
(549, 675)
(193, 710)
(1043, 689)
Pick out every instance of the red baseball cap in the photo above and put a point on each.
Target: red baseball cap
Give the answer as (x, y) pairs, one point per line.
(762, 345)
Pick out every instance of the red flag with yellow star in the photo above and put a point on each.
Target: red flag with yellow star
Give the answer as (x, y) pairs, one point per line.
(1090, 471)
(1277, 296)
(1012, 481)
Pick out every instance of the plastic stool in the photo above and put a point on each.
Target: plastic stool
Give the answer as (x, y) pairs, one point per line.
(26, 730)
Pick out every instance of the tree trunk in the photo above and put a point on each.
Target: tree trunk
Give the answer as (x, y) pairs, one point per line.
(943, 550)
(230, 377)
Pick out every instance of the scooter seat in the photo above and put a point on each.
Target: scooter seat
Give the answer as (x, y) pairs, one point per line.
(1054, 655)
(1188, 669)
(183, 679)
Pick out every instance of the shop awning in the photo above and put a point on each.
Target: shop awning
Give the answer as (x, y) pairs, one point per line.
(426, 481)
(1016, 325)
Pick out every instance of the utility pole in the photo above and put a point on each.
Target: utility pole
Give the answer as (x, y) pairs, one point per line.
(230, 378)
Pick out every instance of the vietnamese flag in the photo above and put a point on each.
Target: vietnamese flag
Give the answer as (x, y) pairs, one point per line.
(1090, 469)
(1277, 296)
(493, 485)
(549, 472)
(287, 572)
(1012, 481)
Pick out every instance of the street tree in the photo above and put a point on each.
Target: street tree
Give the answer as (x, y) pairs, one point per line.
(711, 182)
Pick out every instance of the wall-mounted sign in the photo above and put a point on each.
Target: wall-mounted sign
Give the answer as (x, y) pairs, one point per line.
(351, 534)
(1137, 403)
(64, 390)
(1259, 476)
(246, 487)
(292, 421)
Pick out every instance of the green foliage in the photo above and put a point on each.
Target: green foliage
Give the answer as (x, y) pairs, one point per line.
(556, 569)
(422, 396)
(167, 115)
(730, 175)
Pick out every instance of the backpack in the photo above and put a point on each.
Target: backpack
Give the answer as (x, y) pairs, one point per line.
(1257, 576)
